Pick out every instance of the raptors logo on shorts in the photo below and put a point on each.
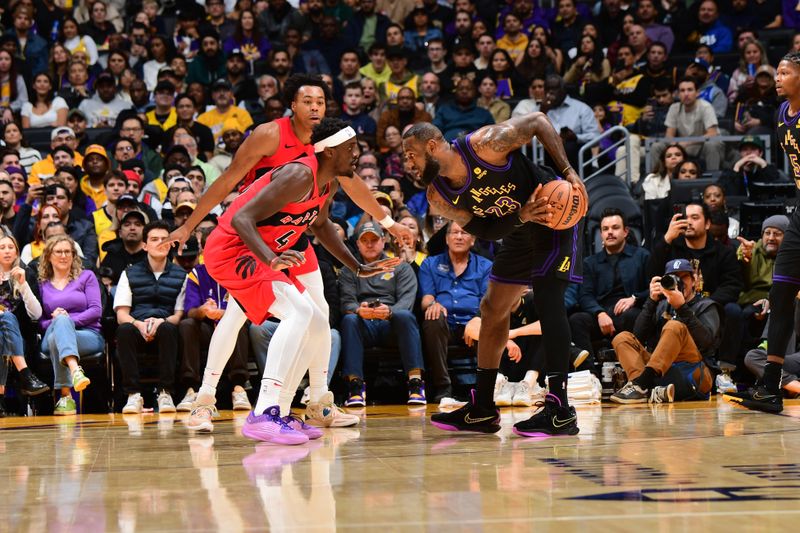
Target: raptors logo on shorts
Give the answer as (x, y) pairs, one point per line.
(246, 266)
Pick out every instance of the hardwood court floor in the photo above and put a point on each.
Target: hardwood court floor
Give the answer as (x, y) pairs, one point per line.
(688, 467)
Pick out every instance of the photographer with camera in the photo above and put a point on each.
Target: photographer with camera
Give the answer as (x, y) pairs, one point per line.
(719, 275)
(377, 312)
(683, 328)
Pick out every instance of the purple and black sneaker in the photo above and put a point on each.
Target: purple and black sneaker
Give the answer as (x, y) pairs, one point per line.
(297, 424)
(270, 427)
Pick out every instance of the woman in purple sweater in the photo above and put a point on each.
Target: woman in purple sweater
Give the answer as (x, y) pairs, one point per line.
(71, 311)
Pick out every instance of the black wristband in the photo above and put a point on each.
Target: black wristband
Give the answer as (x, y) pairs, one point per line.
(493, 228)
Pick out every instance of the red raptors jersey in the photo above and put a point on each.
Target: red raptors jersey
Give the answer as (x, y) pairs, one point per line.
(281, 230)
(289, 149)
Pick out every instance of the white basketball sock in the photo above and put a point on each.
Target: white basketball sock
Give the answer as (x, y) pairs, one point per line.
(223, 342)
(295, 314)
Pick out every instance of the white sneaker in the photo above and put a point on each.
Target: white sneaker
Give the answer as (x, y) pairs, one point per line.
(240, 401)
(200, 419)
(134, 405)
(538, 394)
(725, 384)
(186, 404)
(663, 394)
(165, 404)
(448, 402)
(499, 381)
(306, 396)
(504, 392)
(522, 395)
(327, 414)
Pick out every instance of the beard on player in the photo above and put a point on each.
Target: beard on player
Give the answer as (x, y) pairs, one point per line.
(430, 171)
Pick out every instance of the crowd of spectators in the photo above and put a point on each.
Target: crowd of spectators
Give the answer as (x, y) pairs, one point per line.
(117, 115)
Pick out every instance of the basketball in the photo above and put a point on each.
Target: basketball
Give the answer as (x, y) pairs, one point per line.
(569, 204)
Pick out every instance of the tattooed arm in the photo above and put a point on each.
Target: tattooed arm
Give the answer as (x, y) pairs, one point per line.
(493, 143)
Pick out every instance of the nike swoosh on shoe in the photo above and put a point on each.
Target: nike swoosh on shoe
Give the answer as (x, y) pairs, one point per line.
(561, 423)
(469, 420)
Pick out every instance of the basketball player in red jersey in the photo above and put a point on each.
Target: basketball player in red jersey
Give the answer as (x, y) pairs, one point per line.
(276, 143)
(256, 254)
(270, 145)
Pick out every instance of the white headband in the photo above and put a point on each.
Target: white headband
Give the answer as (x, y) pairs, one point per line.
(341, 136)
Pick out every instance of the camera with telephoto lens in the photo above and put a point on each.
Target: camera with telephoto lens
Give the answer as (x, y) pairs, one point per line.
(671, 282)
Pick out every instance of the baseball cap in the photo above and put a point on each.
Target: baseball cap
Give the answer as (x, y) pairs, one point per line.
(383, 199)
(165, 85)
(105, 77)
(95, 149)
(191, 248)
(231, 124)
(394, 52)
(702, 63)
(76, 112)
(370, 227)
(780, 222)
(184, 205)
(128, 198)
(16, 170)
(766, 69)
(752, 141)
(166, 69)
(221, 84)
(678, 265)
(463, 46)
(132, 175)
(177, 179)
(132, 164)
(236, 52)
(137, 213)
(177, 148)
(63, 130)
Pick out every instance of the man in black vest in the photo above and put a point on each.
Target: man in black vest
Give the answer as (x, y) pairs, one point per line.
(128, 248)
(149, 306)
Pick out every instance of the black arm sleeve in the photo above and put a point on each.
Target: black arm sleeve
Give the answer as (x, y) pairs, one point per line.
(704, 328)
(645, 325)
(493, 228)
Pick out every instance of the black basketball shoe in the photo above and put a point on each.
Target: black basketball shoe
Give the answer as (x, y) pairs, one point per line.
(758, 398)
(552, 420)
(471, 417)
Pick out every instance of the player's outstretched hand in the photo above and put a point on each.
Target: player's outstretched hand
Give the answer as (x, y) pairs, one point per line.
(378, 267)
(288, 259)
(401, 232)
(179, 236)
(537, 210)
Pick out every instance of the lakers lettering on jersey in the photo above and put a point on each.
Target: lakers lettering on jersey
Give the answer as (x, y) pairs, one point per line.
(789, 137)
(490, 191)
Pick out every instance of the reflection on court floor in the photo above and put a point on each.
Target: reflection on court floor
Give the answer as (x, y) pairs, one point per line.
(698, 466)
